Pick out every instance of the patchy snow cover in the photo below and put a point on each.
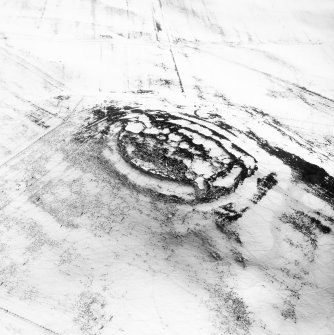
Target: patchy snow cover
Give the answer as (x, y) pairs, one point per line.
(166, 167)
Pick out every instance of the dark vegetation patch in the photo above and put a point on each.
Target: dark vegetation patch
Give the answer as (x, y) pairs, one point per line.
(40, 122)
(224, 219)
(302, 247)
(160, 157)
(232, 311)
(237, 310)
(158, 26)
(289, 311)
(141, 91)
(225, 126)
(164, 165)
(62, 97)
(166, 82)
(312, 175)
(226, 100)
(239, 258)
(309, 226)
(263, 186)
(126, 182)
(326, 217)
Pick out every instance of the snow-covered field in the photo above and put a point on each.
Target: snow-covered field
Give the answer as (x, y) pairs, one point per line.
(166, 167)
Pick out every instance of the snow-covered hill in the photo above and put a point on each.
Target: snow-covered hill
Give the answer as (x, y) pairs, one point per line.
(166, 167)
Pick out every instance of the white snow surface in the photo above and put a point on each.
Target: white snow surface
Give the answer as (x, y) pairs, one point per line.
(82, 251)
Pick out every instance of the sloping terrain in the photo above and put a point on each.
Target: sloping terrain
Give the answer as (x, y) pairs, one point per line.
(166, 167)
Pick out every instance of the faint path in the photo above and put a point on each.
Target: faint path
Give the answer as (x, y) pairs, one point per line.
(46, 330)
(171, 49)
(15, 154)
(43, 13)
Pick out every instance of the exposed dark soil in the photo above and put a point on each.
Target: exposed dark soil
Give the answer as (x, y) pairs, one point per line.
(312, 175)
(160, 157)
